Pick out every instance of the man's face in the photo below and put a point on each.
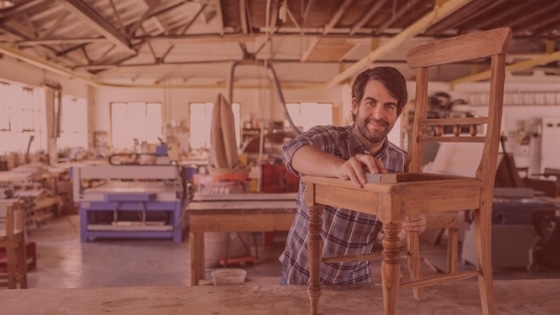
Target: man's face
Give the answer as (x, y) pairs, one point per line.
(376, 113)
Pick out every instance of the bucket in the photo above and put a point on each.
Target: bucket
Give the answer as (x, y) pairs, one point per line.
(228, 276)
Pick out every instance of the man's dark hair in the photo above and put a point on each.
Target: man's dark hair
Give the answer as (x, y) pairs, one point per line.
(390, 77)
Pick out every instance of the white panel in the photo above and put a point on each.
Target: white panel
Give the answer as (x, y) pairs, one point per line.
(460, 159)
(550, 156)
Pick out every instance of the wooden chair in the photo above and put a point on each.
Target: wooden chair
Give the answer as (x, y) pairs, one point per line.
(413, 192)
(12, 239)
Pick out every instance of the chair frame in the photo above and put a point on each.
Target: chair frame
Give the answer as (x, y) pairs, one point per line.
(415, 193)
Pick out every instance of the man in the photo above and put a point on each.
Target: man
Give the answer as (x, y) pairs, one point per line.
(378, 98)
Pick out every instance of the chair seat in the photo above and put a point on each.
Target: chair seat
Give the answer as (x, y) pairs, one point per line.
(411, 193)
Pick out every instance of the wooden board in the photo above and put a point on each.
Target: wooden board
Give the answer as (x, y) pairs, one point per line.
(386, 178)
(527, 297)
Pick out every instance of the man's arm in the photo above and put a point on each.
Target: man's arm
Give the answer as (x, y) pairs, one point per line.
(311, 160)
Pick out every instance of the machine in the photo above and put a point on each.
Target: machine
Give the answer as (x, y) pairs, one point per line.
(129, 201)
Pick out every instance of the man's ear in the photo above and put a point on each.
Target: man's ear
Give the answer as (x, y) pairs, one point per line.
(355, 105)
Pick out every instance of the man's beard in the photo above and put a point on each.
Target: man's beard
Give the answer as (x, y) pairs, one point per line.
(373, 136)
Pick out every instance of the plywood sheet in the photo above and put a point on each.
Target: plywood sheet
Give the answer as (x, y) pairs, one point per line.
(458, 298)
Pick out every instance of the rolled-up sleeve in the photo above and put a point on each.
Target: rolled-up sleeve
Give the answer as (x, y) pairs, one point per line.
(290, 148)
(323, 137)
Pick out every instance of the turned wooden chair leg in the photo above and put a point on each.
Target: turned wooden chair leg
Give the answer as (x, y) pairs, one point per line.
(391, 266)
(315, 250)
(413, 260)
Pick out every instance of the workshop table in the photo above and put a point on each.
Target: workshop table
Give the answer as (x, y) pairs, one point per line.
(253, 212)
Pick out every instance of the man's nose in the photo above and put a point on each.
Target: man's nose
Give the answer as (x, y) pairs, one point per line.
(379, 112)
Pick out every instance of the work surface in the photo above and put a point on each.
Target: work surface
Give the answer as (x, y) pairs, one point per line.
(512, 297)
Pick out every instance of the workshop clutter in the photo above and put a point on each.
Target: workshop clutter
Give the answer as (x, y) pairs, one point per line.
(277, 179)
(274, 178)
(221, 182)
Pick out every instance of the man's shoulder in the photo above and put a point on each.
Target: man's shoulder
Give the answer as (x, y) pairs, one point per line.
(394, 148)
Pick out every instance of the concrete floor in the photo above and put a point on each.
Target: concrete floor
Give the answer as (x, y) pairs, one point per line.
(64, 262)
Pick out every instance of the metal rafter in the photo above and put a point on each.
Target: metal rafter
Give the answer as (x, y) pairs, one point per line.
(19, 8)
(432, 17)
(531, 17)
(468, 12)
(153, 12)
(116, 12)
(337, 16)
(185, 28)
(56, 25)
(364, 19)
(219, 16)
(527, 64)
(59, 41)
(403, 9)
(307, 9)
(505, 14)
(91, 17)
(243, 16)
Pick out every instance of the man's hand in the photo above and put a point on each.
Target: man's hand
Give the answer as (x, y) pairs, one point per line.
(412, 223)
(355, 168)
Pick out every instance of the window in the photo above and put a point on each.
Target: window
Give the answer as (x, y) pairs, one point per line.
(22, 115)
(307, 115)
(201, 120)
(73, 123)
(141, 121)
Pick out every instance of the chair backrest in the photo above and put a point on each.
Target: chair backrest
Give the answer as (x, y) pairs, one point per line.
(487, 44)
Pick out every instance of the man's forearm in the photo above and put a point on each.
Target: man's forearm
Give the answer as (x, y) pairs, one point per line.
(310, 160)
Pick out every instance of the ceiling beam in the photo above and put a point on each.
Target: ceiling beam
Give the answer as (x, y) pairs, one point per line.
(243, 16)
(58, 41)
(397, 15)
(310, 47)
(307, 9)
(185, 28)
(532, 16)
(56, 25)
(116, 12)
(436, 15)
(154, 11)
(99, 23)
(467, 13)
(42, 63)
(544, 59)
(364, 19)
(541, 26)
(490, 20)
(219, 16)
(20, 8)
(336, 17)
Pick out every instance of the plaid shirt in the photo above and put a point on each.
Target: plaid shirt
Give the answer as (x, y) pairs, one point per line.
(345, 232)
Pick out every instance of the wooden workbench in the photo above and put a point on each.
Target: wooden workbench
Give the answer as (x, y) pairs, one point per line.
(519, 297)
(235, 213)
